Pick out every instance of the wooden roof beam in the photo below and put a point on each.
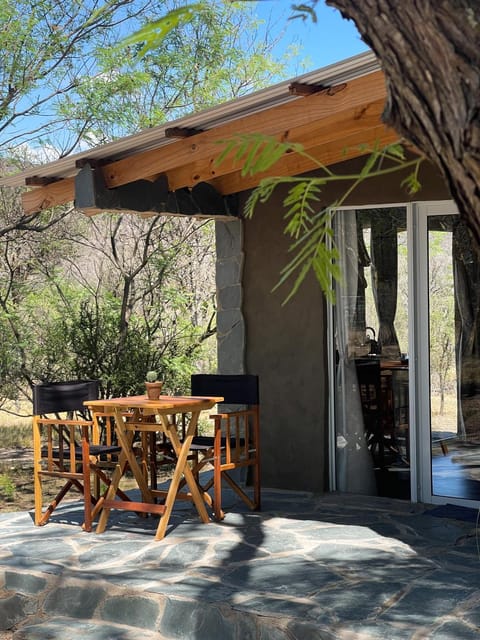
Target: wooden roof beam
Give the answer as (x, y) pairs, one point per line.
(327, 152)
(205, 145)
(294, 164)
(315, 120)
(311, 135)
(51, 195)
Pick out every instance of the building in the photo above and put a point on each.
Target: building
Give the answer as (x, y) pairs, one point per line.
(409, 285)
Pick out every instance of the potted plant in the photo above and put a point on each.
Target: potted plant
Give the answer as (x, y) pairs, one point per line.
(153, 385)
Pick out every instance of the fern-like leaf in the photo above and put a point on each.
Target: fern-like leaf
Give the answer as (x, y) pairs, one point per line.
(153, 33)
(300, 203)
(314, 251)
(260, 194)
(257, 152)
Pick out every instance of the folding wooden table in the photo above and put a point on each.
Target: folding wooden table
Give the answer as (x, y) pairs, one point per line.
(138, 409)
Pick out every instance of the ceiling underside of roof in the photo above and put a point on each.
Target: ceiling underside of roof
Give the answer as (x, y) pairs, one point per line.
(332, 122)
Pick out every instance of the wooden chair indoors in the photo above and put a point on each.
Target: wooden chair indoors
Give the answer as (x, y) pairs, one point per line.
(369, 385)
(377, 412)
(235, 443)
(66, 446)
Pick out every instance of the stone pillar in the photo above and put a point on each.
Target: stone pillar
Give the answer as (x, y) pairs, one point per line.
(230, 322)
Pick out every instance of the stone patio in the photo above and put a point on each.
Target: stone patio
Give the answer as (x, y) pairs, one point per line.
(332, 567)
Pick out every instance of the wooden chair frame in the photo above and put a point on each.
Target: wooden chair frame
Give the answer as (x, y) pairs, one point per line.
(236, 440)
(68, 447)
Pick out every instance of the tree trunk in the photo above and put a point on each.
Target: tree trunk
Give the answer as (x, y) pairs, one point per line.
(429, 51)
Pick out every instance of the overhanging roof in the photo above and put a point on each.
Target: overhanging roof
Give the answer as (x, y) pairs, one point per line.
(331, 112)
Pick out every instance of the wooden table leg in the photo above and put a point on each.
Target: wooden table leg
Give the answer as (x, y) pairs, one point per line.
(187, 472)
(181, 469)
(125, 439)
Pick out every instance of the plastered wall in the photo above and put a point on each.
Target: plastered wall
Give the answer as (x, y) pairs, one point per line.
(286, 345)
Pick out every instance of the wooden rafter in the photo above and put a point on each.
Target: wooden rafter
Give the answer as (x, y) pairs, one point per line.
(327, 154)
(325, 123)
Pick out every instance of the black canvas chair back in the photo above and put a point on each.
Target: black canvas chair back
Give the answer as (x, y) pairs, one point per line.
(63, 397)
(235, 444)
(235, 389)
(67, 447)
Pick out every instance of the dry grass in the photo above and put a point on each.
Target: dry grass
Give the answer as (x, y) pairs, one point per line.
(16, 470)
(15, 425)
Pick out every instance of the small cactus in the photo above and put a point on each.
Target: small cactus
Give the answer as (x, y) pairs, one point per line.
(152, 376)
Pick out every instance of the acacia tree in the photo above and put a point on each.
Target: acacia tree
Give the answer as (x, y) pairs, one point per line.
(115, 302)
(113, 296)
(64, 82)
(429, 51)
(430, 54)
(442, 317)
(49, 48)
(214, 58)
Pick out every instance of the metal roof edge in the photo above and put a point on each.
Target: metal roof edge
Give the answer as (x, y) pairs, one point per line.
(336, 73)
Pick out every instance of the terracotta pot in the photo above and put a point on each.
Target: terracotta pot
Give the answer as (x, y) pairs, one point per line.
(154, 390)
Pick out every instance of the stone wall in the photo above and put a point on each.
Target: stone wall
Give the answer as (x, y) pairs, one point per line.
(229, 273)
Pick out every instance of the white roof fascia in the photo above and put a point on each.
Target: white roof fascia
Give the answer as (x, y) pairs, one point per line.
(148, 139)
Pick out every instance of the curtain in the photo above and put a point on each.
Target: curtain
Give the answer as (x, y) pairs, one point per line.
(354, 465)
(466, 273)
(385, 279)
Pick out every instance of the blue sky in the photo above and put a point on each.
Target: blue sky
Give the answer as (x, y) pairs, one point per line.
(329, 40)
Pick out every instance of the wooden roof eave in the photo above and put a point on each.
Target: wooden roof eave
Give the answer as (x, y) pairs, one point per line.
(329, 125)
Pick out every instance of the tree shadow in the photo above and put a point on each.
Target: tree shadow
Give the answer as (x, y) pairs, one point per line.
(304, 567)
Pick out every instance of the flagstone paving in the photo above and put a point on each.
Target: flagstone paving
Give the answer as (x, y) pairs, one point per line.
(332, 567)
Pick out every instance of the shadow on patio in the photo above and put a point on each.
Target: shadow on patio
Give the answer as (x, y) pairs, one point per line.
(307, 567)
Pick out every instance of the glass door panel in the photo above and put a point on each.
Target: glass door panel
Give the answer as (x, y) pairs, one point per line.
(454, 359)
(371, 337)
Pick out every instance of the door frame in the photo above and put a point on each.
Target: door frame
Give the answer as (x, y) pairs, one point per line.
(421, 212)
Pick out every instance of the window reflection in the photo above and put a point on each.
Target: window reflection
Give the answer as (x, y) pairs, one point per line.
(372, 337)
(454, 341)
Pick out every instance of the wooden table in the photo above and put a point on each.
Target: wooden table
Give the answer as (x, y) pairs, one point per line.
(159, 413)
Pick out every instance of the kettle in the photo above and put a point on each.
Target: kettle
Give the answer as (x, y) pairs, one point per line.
(374, 346)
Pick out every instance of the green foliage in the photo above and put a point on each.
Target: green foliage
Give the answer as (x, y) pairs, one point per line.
(72, 314)
(48, 49)
(255, 151)
(10, 360)
(61, 60)
(154, 33)
(171, 67)
(151, 376)
(112, 297)
(308, 218)
(7, 487)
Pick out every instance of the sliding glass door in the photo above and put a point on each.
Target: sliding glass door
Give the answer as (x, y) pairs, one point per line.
(406, 365)
(371, 369)
(448, 300)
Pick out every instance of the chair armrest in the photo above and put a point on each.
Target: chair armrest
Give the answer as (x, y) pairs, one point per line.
(232, 414)
(66, 423)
